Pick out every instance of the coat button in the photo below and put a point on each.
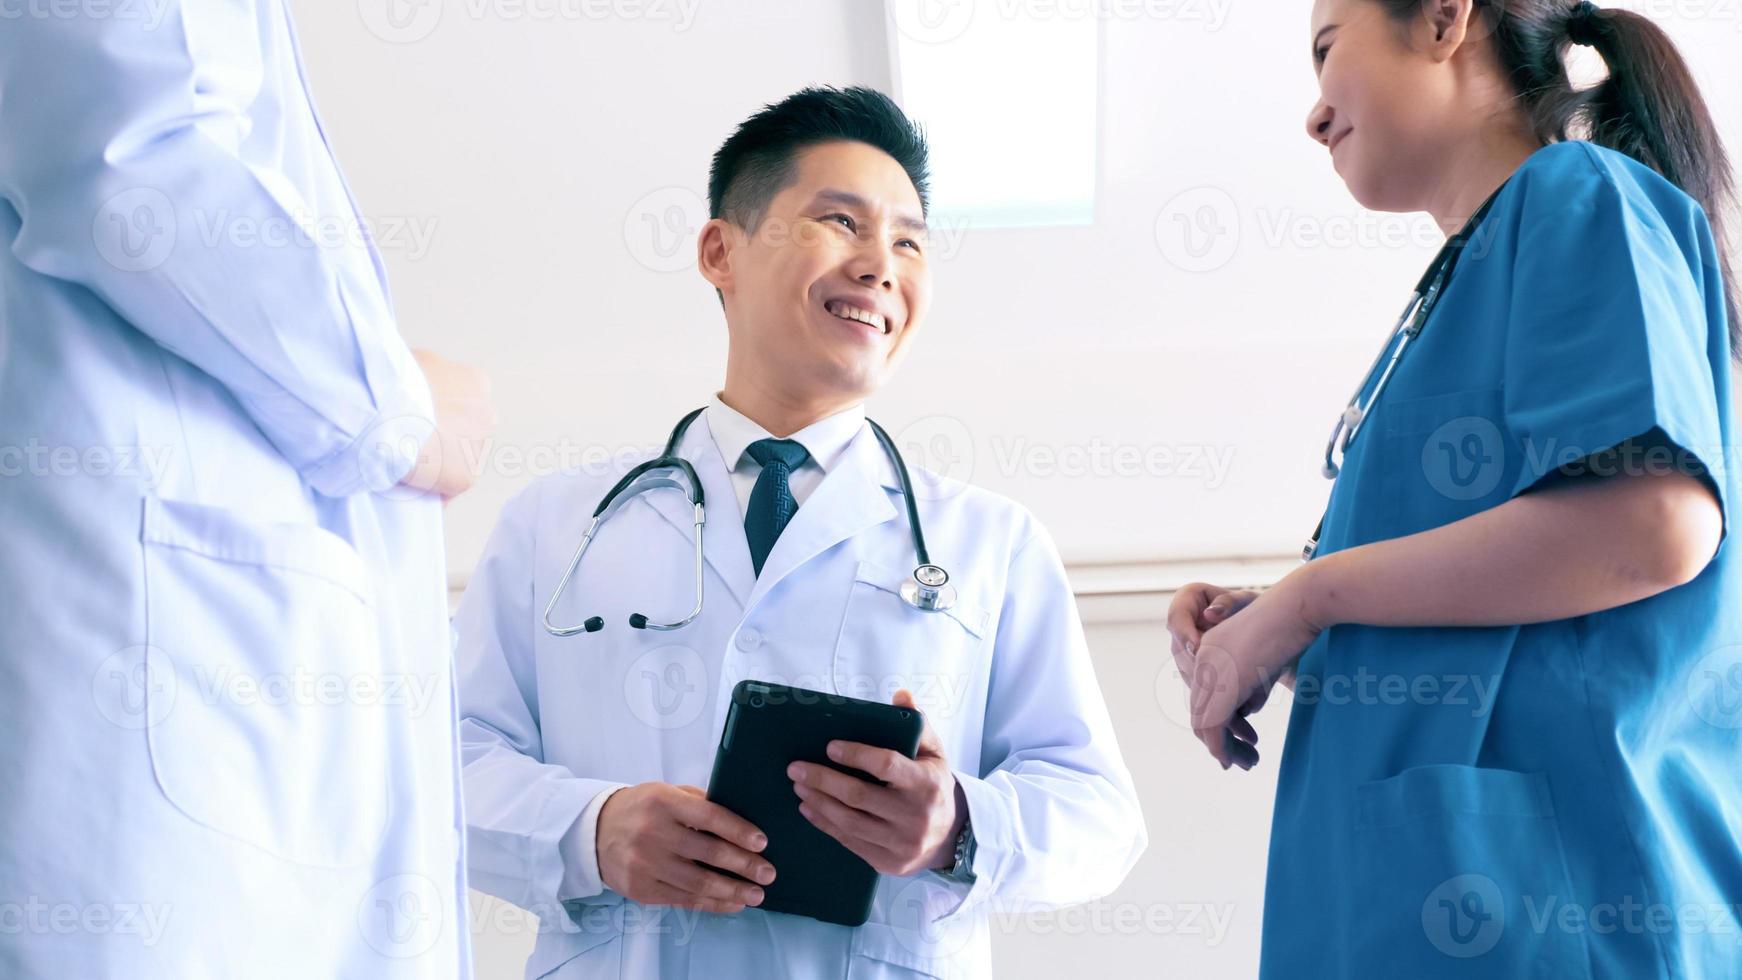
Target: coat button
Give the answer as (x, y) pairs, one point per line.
(748, 639)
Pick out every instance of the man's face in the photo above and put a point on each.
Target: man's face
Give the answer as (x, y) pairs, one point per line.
(823, 298)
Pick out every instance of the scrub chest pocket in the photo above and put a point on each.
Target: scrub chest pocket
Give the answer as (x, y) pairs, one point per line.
(1440, 459)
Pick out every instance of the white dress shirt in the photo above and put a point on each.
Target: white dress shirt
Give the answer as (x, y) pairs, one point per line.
(825, 440)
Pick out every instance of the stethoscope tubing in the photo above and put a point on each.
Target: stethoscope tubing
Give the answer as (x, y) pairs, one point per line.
(924, 595)
(1428, 291)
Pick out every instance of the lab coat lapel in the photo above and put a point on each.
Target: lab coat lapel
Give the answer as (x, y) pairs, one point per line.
(850, 499)
(725, 548)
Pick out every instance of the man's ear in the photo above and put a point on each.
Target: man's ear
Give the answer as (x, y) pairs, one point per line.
(1447, 26)
(714, 252)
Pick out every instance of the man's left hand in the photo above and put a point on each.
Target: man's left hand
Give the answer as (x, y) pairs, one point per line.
(907, 826)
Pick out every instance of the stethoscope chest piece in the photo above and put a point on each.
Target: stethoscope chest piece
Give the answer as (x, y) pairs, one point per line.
(929, 588)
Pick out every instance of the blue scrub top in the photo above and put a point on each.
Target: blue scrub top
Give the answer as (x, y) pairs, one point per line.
(1562, 799)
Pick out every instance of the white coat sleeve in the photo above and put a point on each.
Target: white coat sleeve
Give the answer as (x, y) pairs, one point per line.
(119, 136)
(1054, 811)
(523, 815)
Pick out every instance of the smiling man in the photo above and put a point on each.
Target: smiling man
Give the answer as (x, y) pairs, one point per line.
(584, 754)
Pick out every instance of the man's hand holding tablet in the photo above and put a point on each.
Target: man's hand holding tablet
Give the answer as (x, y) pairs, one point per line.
(909, 824)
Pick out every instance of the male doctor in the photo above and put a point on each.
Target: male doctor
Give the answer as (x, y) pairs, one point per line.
(225, 678)
(584, 755)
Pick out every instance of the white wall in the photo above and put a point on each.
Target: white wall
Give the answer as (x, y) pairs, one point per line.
(511, 164)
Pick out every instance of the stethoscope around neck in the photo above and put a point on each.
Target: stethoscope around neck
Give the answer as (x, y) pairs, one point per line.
(1409, 327)
(928, 588)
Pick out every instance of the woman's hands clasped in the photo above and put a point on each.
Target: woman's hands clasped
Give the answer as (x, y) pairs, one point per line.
(1231, 648)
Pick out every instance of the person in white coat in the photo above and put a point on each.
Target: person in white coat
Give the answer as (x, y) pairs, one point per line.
(225, 666)
(585, 754)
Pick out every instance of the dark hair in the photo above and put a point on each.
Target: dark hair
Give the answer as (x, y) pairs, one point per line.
(758, 160)
(1649, 107)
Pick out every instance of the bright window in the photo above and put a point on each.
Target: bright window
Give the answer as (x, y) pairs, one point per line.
(1006, 91)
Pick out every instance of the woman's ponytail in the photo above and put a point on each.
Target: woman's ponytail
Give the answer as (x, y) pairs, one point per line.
(1648, 108)
(1651, 109)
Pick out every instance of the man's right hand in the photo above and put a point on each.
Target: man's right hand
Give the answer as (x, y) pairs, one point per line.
(651, 836)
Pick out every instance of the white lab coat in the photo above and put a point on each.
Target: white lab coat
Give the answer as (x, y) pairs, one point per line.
(1004, 677)
(225, 666)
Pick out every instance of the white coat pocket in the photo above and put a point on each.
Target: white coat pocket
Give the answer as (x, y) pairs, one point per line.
(266, 641)
(886, 952)
(886, 644)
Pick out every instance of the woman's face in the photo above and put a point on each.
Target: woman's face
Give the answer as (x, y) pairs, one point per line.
(1385, 109)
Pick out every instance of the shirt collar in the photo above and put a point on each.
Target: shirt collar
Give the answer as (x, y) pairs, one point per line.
(826, 440)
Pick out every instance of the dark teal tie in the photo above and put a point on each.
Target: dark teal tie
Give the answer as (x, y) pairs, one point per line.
(771, 503)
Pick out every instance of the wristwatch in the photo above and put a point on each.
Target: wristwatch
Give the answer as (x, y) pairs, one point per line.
(963, 869)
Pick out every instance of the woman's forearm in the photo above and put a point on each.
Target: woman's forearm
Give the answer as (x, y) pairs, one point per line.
(1561, 552)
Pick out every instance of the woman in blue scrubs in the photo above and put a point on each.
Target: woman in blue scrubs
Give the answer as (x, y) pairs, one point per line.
(1516, 740)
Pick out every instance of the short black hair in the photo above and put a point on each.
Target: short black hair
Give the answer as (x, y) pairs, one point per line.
(759, 159)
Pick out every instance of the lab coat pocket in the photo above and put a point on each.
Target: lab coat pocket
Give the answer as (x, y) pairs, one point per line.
(1458, 871)
(887, 952)
(266, 641)
(590, 945)
(886, 644)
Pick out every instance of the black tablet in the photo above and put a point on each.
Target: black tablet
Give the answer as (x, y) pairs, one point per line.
(769, 727)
